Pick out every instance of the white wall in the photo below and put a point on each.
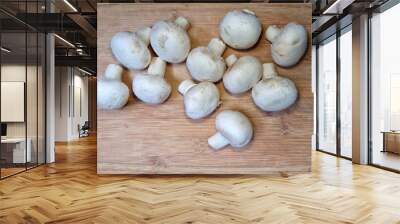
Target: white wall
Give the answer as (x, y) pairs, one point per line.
(62, 81)
(16, 73)
(71, 94)
(81, 103)
(33, 127)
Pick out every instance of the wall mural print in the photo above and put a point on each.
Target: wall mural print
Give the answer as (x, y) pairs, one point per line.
(181, 82)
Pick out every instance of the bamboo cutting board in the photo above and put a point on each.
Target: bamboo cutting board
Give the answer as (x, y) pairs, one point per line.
(144, 139)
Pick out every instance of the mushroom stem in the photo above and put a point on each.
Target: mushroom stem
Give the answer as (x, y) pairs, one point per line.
(272, 32)
(248, 11)
(113, 72)
(216, 46)
(144, 34)
(269, 71)
(157, 67)
(218, 141)
(230, 60)
(185, 86)
(182, 22)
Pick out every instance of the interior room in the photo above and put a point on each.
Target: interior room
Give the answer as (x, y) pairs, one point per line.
(25, 64)
(384, 90)
(22, 103)
(208, 111)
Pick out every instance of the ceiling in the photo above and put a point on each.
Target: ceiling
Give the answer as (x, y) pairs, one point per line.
(332, 15)
(72, 20)
(76, 21)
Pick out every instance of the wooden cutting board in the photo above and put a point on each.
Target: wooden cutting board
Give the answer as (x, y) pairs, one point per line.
(144, 139)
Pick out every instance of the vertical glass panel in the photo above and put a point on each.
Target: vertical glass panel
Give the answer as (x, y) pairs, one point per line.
(32, 98)
(385, 87)
(41, 79)
(13, 89)
(314, 84)
(327, 96)
(22, 90)
(346, 93)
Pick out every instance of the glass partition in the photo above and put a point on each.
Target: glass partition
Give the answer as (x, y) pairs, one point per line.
(31, 100)
(334, 94)
(327, 96)
(346, 93)
(41, 97)
(385, 89)
(23, 89)
(13, 94)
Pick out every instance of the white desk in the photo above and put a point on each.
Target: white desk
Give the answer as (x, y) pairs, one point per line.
(19, 153)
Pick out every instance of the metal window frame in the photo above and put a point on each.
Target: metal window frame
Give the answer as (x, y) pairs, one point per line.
(44, 75)
(339, 32)
(387, 5)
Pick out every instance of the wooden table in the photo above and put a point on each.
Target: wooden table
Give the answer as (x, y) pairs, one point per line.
(391, 141)
(144, 139)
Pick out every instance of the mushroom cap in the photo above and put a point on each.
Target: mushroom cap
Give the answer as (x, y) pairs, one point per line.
(240, 29)
(151, 89)
(201, 100)
(111, 94)
(243, 75)
(274, 94)
(130, 50)
(170, 41)
(235, 127)
(203, 65)
(113, 72)
(290, 45)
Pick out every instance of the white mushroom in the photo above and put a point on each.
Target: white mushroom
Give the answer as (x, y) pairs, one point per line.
(233, 128)
(288, 44)
(240, 29)
(242, 74)
(151, 87)
(273, 92)
(170, 40)
(131, 49)
(111, 92)
(206, 63)
(113, 72)
(200, 100)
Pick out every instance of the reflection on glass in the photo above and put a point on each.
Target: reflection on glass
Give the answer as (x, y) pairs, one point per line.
(14, 153)
(327, 96)
(31, 100)
(346, 94)
(22, 91)
(385, 114)
(41, 99)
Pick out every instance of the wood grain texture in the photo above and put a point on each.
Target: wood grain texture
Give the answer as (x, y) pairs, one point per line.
(143, 139)
(70, 191)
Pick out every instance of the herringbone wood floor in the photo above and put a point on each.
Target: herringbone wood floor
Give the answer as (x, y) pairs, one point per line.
(69, 191)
